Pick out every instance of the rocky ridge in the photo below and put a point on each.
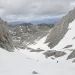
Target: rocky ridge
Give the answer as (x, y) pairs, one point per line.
(5, 39)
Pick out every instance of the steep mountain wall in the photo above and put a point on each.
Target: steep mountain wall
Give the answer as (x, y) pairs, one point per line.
(60, 29)
(5, 39)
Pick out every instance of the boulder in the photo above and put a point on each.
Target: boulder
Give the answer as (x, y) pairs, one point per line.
(34, 72)
(54, 53)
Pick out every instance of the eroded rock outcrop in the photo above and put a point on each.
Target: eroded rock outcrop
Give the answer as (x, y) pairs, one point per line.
(54, 53)
(5, 39)
(72, 55)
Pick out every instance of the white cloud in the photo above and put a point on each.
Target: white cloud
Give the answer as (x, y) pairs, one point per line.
(15, 9)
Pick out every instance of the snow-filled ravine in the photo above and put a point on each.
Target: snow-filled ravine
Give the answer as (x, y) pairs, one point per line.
(40, 44)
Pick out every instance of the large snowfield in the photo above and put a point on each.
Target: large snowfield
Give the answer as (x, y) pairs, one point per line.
(23, 62)
(17, 63)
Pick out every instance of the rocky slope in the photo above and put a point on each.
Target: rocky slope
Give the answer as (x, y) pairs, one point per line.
(5, 39)
(60, 29)
(27, 34)
(62, 36)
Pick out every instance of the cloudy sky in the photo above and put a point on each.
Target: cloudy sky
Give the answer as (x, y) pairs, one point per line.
(14, 10)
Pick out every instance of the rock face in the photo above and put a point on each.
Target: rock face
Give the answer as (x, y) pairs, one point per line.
(73, 61)
(5, 39)
(54, 53)
(72, 55)
(60, 29)
(37, 50)
(23, 34)
(68, 46)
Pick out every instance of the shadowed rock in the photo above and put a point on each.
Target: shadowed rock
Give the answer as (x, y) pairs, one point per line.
(5, 39)
(68, 46)
(60, 29)
(59, 53)
(36, 50)
(72, 55)
(54, 53)
(73, 61)
(34, 72)
(49, 53)
(73, 38)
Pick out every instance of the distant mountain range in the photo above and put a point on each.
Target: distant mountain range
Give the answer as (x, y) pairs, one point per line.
(47, 21)
(35, 22)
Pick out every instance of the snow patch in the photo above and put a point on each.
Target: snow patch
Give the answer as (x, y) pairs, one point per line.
(17, 63)
(40, 44)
